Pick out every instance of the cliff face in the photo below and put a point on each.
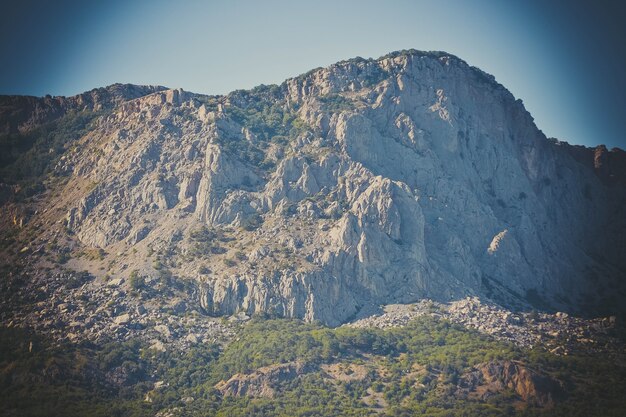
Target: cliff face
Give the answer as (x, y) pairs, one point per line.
(367, 182)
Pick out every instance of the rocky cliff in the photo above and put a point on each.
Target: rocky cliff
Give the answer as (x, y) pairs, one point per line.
(368, 182)
(490, 378)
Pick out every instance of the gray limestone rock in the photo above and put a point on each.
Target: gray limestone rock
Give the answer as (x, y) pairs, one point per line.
(365, 183)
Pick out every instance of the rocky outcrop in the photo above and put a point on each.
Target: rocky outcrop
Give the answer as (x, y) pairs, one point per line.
(532, 387)
(310, 296)
(264, 382)
(609, 165)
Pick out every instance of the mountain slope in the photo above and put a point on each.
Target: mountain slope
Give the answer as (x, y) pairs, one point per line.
(364, 183)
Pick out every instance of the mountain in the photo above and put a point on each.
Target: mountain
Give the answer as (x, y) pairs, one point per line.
(368, 182)
(165, 253)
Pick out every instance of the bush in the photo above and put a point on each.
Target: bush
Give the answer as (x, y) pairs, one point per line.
(253, 222)
(336, 103)
(136, 281)
(63, 257)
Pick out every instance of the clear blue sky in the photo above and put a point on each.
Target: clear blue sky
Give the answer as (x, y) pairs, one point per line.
(565, 59)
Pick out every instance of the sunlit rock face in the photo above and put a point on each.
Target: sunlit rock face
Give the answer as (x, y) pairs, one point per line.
(364, 183)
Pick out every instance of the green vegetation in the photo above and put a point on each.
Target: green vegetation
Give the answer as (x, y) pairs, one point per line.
(92, 254)
(252, 223)
(336, 103)
(229, 262)
(264, 112)
(62, 257)
(268, 117)
(240, 256)
(26, 159)
(413, 370)
(137, 282)
(206, 241)
(77, 279)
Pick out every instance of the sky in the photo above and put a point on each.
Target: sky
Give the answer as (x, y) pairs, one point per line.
(565, 59)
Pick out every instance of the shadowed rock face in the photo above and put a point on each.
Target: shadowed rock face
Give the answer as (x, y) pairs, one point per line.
(367, 182)
(491, 378)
